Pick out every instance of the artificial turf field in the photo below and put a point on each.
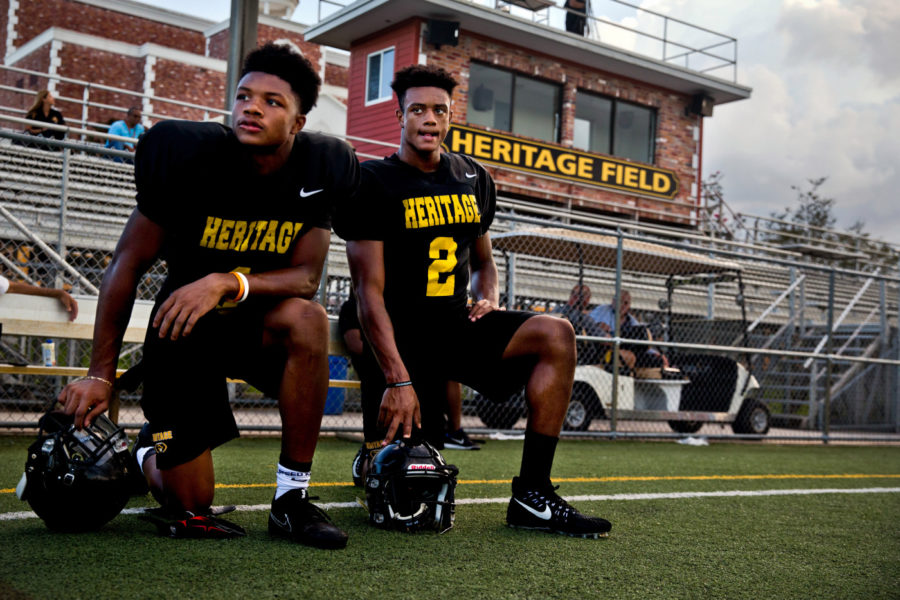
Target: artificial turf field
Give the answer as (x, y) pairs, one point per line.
(680, 530)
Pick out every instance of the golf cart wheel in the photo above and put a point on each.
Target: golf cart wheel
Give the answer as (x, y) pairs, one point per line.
(499, 415)
(752, 418)
(686, 426)
(583, 407)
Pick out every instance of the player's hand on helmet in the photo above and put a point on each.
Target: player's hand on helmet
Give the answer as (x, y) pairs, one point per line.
(481, 308)
(399, 406)
(86, 399)
(179, 313)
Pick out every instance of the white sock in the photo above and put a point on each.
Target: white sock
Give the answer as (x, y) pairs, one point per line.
(288, 479)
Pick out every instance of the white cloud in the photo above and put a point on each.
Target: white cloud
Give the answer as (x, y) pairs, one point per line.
(825, 102)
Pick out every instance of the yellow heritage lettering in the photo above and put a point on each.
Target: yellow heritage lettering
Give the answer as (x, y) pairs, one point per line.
(545, 160)
(409, 212)
(420, 212)
(209, 234)
(431, 209)
(444, 208)
(224, 234)
(459, 215)
(462, 142)
(482, 146)
(268, 241)
(235, 235)
(475, 211)
(237, 238)
(501, 150)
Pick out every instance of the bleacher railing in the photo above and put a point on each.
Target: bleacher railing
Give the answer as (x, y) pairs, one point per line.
(75, 202)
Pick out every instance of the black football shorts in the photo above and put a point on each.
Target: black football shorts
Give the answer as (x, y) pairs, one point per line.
(185, 396)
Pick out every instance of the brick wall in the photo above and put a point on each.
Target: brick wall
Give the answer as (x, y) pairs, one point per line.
(35, 16)
(187, 83)
(336, 75)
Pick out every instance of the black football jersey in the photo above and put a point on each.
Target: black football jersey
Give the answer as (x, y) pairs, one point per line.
(196, 181)
(428, 223)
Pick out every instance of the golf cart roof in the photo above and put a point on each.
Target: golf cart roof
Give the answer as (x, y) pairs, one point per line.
(600, 250)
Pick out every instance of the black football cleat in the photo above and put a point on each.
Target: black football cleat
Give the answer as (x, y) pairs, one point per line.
(459, 440)
(193, 526)
(540, 508)
(295, 518)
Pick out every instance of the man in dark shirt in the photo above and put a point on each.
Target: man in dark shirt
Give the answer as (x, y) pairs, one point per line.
(416, 232)
(242, 217)
(575, 310)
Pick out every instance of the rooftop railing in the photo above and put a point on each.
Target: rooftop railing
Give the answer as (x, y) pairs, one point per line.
(623, 25)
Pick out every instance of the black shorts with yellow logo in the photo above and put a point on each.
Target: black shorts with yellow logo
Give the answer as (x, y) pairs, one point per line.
(457, 349)
(185, 396)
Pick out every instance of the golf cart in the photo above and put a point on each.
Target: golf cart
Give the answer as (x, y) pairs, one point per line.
(711, 388)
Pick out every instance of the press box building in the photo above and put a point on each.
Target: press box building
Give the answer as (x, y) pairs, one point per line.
(559, 117)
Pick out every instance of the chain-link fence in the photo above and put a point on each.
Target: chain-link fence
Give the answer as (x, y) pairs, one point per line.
(717, 341)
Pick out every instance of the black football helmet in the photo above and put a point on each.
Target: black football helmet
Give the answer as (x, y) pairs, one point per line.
(76, 480)
(410, 487)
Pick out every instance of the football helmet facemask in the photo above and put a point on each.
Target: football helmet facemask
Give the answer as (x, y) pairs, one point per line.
(410, 487)
(76, 480)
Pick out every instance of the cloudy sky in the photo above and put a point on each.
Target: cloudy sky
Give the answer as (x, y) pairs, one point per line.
(825, 103)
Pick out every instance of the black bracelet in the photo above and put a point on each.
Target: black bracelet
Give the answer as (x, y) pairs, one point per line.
(399, 384)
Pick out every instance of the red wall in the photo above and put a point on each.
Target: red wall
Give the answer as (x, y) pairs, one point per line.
(378, 121)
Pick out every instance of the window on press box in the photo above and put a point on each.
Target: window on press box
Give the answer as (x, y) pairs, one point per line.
(379, 72)
(614, 127)
(512, 102)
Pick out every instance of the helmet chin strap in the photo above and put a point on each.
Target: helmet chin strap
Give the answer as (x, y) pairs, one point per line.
(398, 517)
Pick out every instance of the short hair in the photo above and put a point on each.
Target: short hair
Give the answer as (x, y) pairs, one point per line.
(422, 76)
(133, 110)
(285, 63)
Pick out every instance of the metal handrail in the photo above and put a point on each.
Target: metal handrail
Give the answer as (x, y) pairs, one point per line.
(54, 256)
(841, 318)
(775, 303)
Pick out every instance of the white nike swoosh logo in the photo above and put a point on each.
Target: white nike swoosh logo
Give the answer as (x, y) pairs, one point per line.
(470, 176)
(305, 194)
(544, 514)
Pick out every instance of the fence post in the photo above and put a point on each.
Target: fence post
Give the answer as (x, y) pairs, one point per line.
(829, 348)
(63, 200)
(85, 97)
(617, 331)
(895, 392)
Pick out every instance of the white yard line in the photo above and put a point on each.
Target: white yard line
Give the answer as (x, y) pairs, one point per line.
(16, 516)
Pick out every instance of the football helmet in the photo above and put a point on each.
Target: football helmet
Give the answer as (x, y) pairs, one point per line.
(76, 480)
(410, 487)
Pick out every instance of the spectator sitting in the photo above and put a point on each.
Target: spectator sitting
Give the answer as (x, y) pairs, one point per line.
(645, 361)
(42, 110)
(129, 127)
(576, 311)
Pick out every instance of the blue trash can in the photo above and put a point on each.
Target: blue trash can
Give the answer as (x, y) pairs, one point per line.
(337, 369)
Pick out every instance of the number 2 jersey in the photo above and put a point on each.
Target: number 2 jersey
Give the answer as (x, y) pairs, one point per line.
(196, 181)
(428, 223)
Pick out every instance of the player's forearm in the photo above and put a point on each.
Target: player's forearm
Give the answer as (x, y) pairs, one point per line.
(295, 282)
(117, 295)
(486, 284)
(376, 324)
